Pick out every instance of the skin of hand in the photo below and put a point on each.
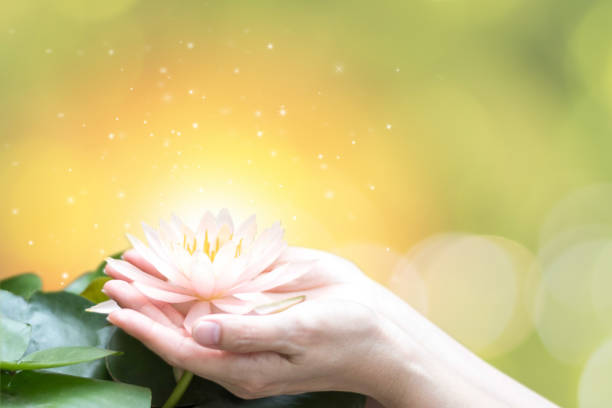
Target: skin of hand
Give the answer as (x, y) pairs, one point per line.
(350, 334)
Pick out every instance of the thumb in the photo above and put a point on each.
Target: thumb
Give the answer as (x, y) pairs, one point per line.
(244, 334)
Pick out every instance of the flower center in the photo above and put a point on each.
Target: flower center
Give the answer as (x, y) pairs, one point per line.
(206, 247)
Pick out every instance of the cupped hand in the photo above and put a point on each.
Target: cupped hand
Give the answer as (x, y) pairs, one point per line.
(335, 340)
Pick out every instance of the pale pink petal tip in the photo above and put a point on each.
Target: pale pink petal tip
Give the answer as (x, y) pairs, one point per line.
(196, 311)
(278, 306)
(106, 307)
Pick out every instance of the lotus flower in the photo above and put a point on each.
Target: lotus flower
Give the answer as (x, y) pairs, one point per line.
(215, 268)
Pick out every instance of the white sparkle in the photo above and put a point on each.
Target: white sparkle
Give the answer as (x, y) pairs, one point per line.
(70, 200)
(270, 46)
(329, 194)
(65, 275)
(194, 125)
(144, 122)
(163, 70)
(15, 211)
(60, 115)
(257, 114)
(190, 92)
(294, 217)
(111, 136)
(372, 187)
(273, 153)
(282, 111)
(120, 195)
(338, 157)
(116, 117)
(259, 133)
(111, 52)
(95, 226)
(388, 126)
(236, 70)
(397, 69)
(339, 69)
(387, 249)
(353, 142)
(320, 156)
(30, 242)
(190, 45)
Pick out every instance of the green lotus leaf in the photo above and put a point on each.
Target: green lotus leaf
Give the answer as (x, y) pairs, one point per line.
(140, 366)
(93, 292)
(23, 285)
(12, 306)
(35, 389)
(59, 319)
(14, 339)
(57, 357)
(81, 283)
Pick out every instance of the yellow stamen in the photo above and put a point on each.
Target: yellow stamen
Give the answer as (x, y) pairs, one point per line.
(206, 243)
(239, 248)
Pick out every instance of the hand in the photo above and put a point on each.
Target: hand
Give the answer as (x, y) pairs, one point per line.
(351, 334)
(332, 341)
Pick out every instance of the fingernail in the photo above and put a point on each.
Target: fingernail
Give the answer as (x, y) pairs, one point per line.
(207, 333)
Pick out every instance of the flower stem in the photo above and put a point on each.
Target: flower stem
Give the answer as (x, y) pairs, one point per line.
(179, 390)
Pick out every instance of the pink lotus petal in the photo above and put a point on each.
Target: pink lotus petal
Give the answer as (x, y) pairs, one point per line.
(155, 242)
(162, 295)
(224, 218)
(106, 307)
(276, 277)
(171, 273)
(207, 223)
(263, 260)
(228, 277)
(181, 227)
(246, 231)
(227, 268)
(254, 297)
(202, 276)
(134, 274)
(232, 305)
(278, 306)
(196, 311)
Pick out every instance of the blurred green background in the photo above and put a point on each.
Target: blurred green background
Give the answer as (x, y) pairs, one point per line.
(457, 150)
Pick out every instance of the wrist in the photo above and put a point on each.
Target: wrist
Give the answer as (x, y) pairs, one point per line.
(392, 364)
